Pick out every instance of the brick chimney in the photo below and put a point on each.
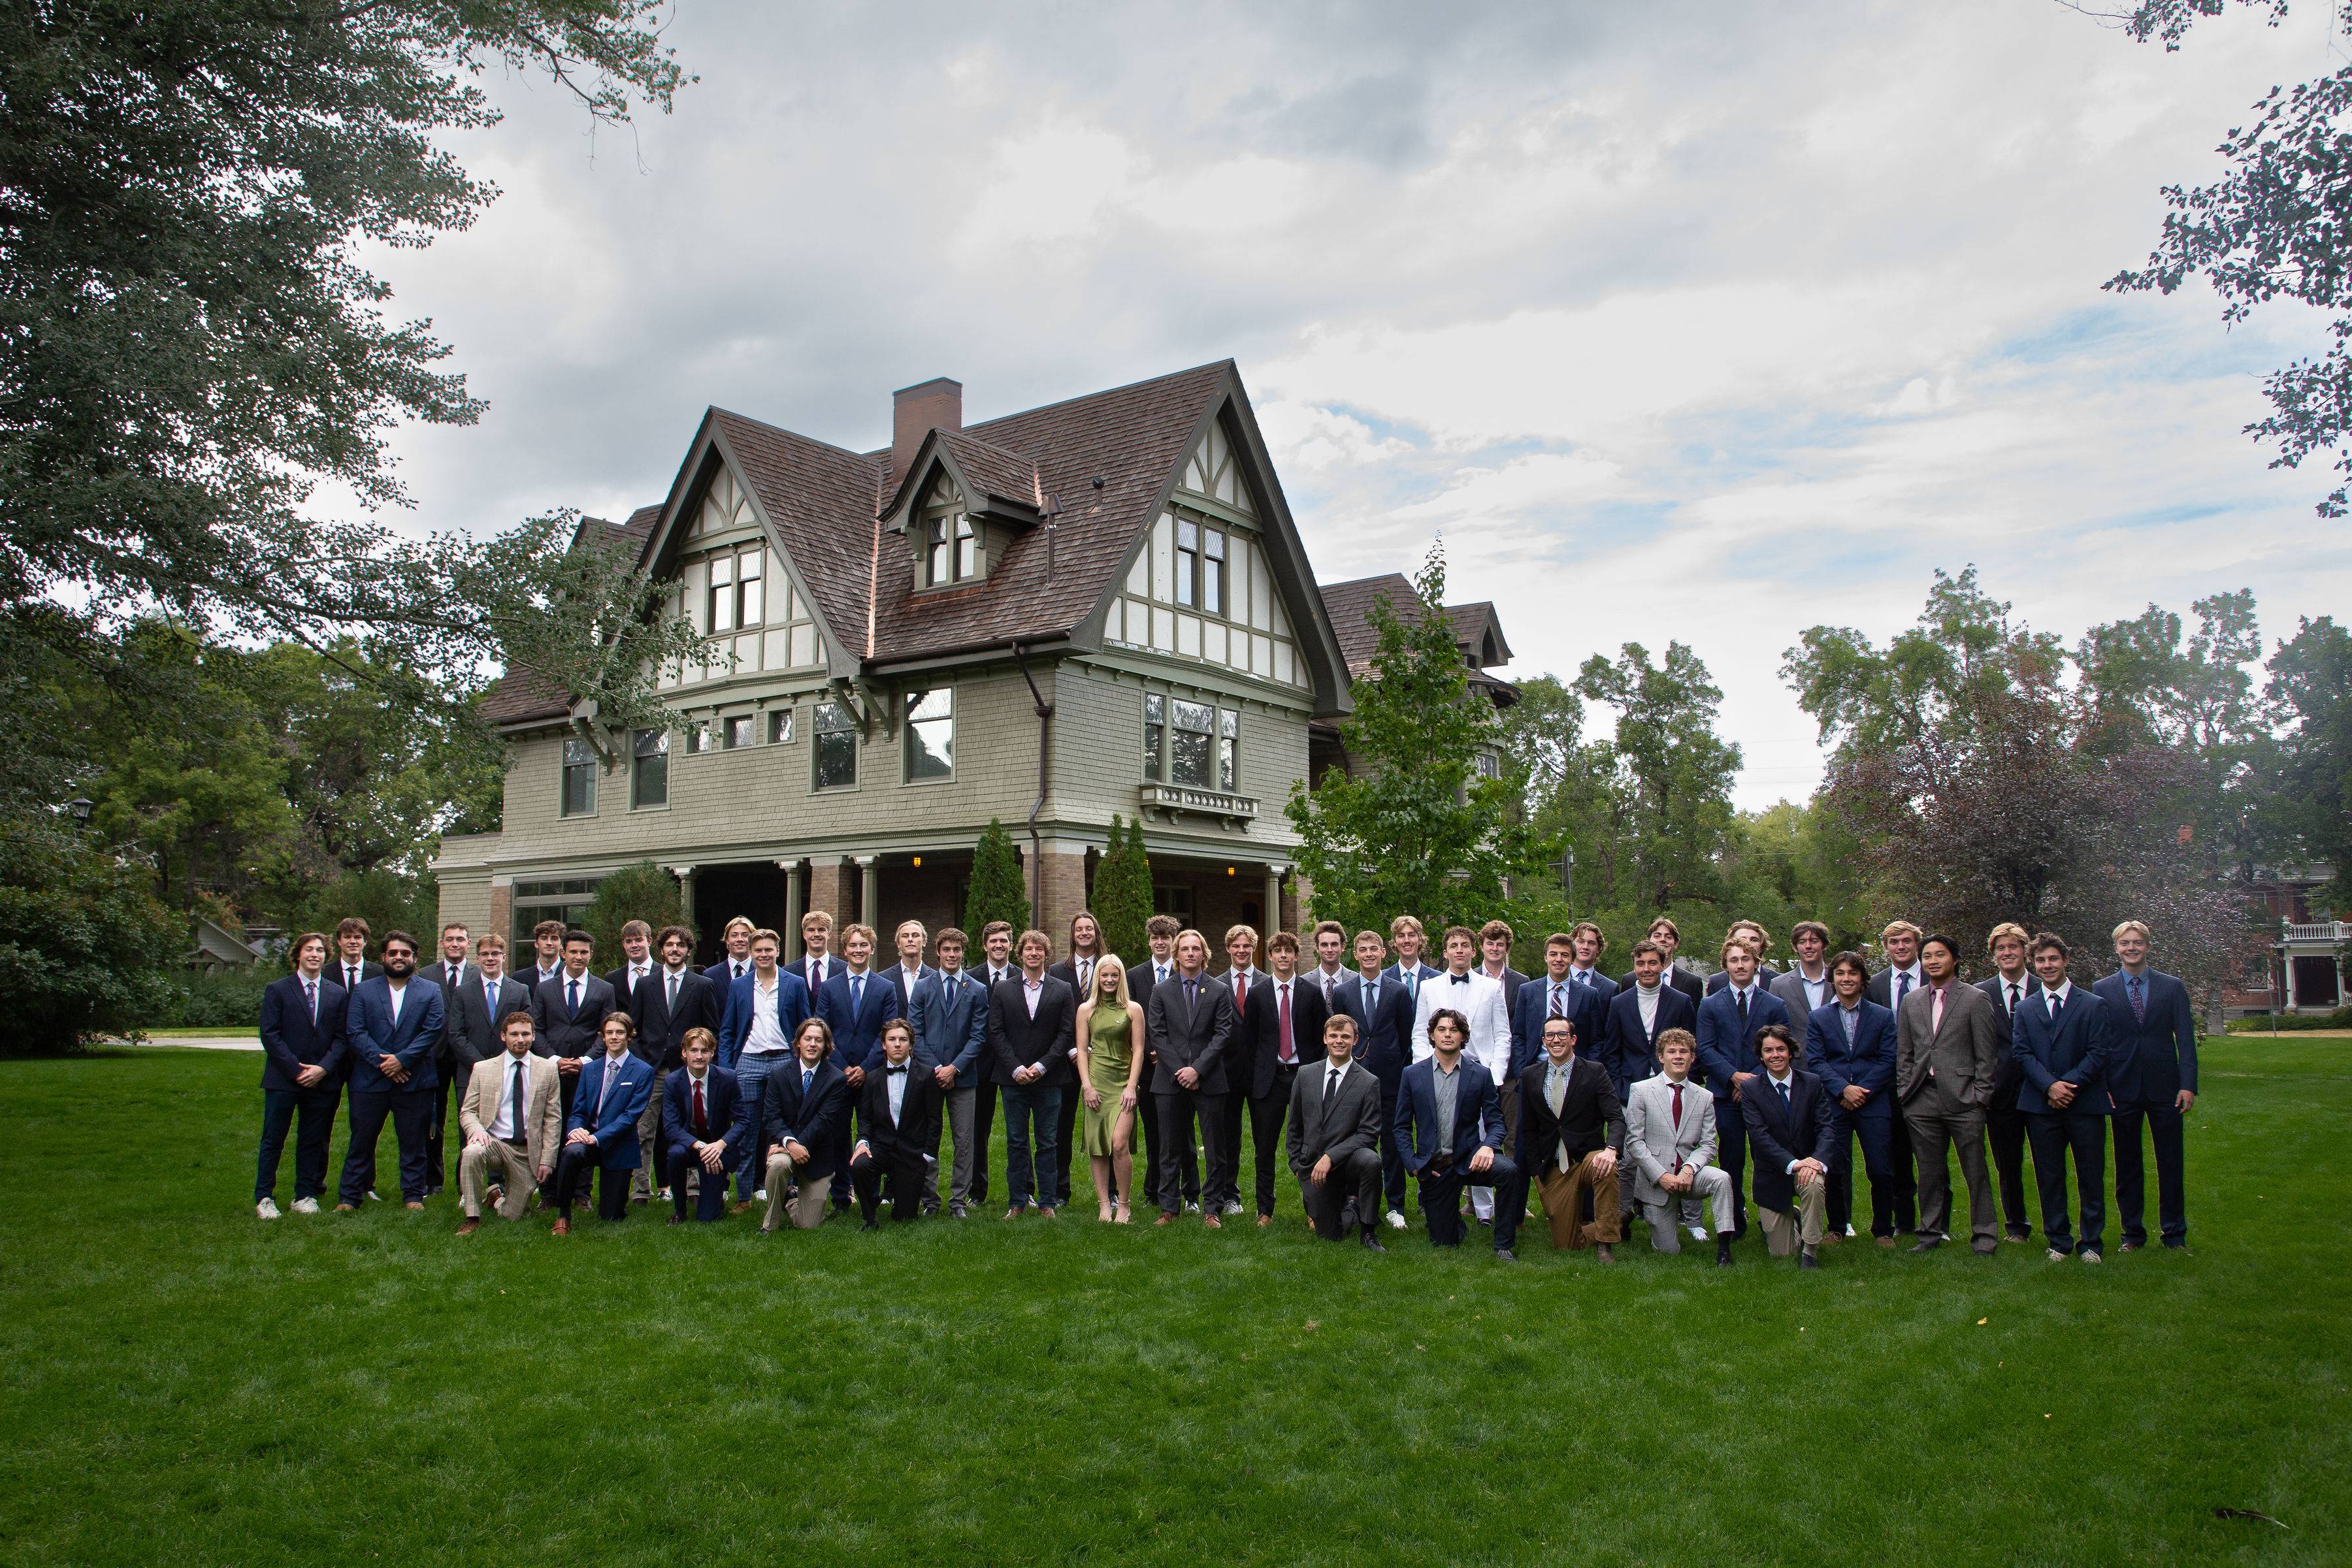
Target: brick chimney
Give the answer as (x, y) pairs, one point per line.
(914, 411)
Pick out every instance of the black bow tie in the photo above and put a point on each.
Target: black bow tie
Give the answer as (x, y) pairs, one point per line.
(897, 1071)
(1461, 979)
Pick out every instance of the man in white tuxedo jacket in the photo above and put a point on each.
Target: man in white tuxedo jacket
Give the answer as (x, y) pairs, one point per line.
(1670, 1141)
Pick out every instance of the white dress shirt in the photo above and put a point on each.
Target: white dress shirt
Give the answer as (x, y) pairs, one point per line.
(1477, 997)
(2057, 998)
(502, 1125)
(767, 1034)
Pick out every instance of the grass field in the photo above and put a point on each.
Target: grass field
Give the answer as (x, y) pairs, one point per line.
(185, 1385)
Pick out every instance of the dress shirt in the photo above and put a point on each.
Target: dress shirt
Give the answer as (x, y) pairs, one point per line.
(1448, 1082)
(1160, 972)
(635, 973)
(816, 972)
(738, 968)
(2057, 998)
(894, 1086)
(767, 1034)
(311, 997)
(1332, 1079)
(502, 1124)
(1331, 981)
(1848, 1016)
(906, 979)
(612, 1077)
(1786, 1086)
(2016, 990)
(1578, 976)
(1031, 990)
(454, 974)
(671, 980)
(1743, 997)
(1560, 998)
(1901, 983)
(351, 973)
(1817, 992)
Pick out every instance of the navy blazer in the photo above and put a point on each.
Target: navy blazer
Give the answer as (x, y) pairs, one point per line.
(1255, 1051)
(1383, 1029)
(1804, 1129)
(617, 1131)
(1478, 1113)
(2074, 1049)
(561, 1031)
(370, 1033)
(291, 1041)
(722, 1108)
(722, 973)
(1587, 1007)
(1869, 1062)
(1630, 1054)
(661, 1031)
(735, 1027)
(857, 1036)
(1599, 983)
(951, 1019)
(815, 1120)
(1722, 1051)
(2149, 1063)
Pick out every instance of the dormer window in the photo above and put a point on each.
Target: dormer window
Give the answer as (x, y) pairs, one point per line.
(737, 599)
(950, 546)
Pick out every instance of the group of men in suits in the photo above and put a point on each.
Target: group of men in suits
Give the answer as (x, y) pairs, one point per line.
(1660, 1095)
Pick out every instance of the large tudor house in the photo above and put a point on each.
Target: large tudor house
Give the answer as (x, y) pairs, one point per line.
(1097, 608)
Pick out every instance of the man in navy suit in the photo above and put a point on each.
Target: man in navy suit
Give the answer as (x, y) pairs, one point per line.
(802, 1155)
(1727, 1022)
(855, 1001)
(1408, 937)
(950, 1011)
(601, 1133)
(764, 1012)
(817, 962)
(674, 998)
(1850, 1044)
(1668, 937)
(2009, 984)
(1592, 943)
(351, 964)
(1645, 1008)
(2152, 1078)
(1557, 994)
(302, 1018)
(737, 961)
(702, 1127)
(2062, 1040)
(392, 1026)
(568, 1011)
(1786, 1110)
(1383, 1015)
(1449, 1121)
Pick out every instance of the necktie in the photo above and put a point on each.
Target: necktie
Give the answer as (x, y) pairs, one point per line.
(490, 1002)
(350, 977)
(807, 1075)
(1086, 973)
(604, 1091)
(1783, 1088)
(2013, 996)
(571, 1008)
(1283, 1024)
(2138, 1000)
(1739, 998)
(857, 994)
(672, 1007)
(1558, 1000)
(701, 1119)
(1327, 990)
(1411, 978)
(1935, 1011)
(1191, 995)
(514, 1096)
(311, 995)
(1902, 988)
(1678, 1126)
(1241, 989)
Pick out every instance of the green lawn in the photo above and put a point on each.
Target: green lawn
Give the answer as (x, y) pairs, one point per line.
(186, 1385)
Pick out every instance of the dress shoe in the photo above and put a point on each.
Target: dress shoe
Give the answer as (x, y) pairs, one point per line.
(2019, 1236)
(1723, 1252)
(1806, 1259)
(345, 1208)
(1929, 1244)
(414, 1207)
(1045, 1211)
(1266, 1219)
(1371, 1242)
(677, 1219)
(561, 1227)
(498, 1193)
(1165, 1218)
(1505, 1255)
(869, 1224)
(2089, 1254)
(469, 1227)
(955, 1211)
(2172, 1243)
(1602, 1255)
(1832, 1239)
(1885, 1241)
(1213, 1222)
(742, 1208)
(1012, 1214)
(2133, 1246)
(1984, 1247)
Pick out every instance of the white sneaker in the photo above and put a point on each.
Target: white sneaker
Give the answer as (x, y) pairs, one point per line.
(306, 1205)
(760, 1196)
(1396, 1220)
(1849, 1230)
(2088, 1255)
(266, 1208)
(371, 1196)
(1699, 1233)
(1232, 1206)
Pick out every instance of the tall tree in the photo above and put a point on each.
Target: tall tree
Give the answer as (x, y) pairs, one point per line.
(1674, 773)
(997, 891)
(642, 892)
(73, 921)
(2311, 682)
(1122, 900)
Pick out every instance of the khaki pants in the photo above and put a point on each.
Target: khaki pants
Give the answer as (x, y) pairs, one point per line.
(496, 1162)
(1562, 1192)
(807, 1211)
(1783, 1231)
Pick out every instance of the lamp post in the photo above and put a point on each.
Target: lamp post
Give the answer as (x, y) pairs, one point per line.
(80, 806)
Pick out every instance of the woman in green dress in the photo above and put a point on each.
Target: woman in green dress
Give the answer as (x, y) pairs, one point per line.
(1110, 1055)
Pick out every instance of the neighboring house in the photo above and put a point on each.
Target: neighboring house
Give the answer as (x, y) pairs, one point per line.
(216, 947)
(1477, 631)
(897, 621)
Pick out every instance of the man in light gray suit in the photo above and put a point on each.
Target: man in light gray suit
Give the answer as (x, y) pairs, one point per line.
(1948, 1046)
(1335, 1139)
(1670, 1141)
(1805, 984)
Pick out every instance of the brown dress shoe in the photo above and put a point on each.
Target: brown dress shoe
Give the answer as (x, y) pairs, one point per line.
(417, 1208)
(1264, 1220)
(345, 1208)
(1165, 1219)
(561, 1227)
(1601, 1252)
(742, 1208)
(1213, 1222)
(469, 1227)
(1887, 1242)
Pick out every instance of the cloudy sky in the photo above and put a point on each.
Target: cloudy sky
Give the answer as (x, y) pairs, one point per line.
(1676, 322)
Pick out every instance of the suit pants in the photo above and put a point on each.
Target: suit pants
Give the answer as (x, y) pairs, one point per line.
(1565, 1195)
(804, 1202)
(1146, 1117)
(1786, 1230)
(1874, 1124)
(1265, 1114)
(983, 1132)
(436, 1162)
(679, 1168)
(2005, 1130)
(1937, 1124)
(1903, 1173)
(1033, 1114)
(644, 1178)
(1220, 1184)
(409, 1111)
(281, 1109)
(496, 1164)
(2054, 1135)
(955, 1123)
(907, 1176)
(1355, 1177)
(1441, 1200)
(1179, 1108)
(1713, 1185)
(1066, 1137)
(752, 1078)
(2131, 1173)
(576, 1167)
(1392, 1167)
(839, 1131)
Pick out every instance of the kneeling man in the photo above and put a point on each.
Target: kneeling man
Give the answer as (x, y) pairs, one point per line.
(602, 1138)
(1570, 1131)
(702, 1126)
(512, 1119)
(899, 1114)
(1335, 1138)
(1449, 1125)
(1670, 1138)
(801, 1105)
(1793, 1133)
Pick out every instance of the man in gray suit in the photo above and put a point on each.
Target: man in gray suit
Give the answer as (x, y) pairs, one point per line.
(1670, 1141)
(1805, 984)
(1335, 1138)
(1190, 1023)
(1948, 1046)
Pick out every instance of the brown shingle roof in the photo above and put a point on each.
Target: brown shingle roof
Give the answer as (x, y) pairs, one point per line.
(1350, 606)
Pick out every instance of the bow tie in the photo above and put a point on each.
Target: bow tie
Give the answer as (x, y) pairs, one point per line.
(1461, 979)
(896, 1072)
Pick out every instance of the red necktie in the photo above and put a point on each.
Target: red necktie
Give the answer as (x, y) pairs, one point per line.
(1678, 1123)
(701, 1122)
(1286, 1051)
(1241, 991)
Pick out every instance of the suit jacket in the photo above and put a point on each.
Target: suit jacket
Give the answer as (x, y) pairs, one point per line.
(291, 1040)
(1338, 1127)
(370, 1032)
(1258, 1051)
(1631, 1052)
(542, 1106)
(1586, 1007)
(1478, 1113)
(857, 1031)
(1724, 1048)
(951, 1021)
(471, 1031)
(1481, 1002)
(722, 1110)
(2150, 1062)
(1591, 1116)
(735, 1022)
(1962, 1056)
(1017, 1040)
(1656, 1144)
(812, 1119)
(1511, 979)
(335, 972)
(1881, 988)
(2008, 1075)
(1383, 1029)
(1677, 978)
(625, 993)
(616, 1130)
(1779, 1135)
(439, 972)
(916, 1132)
(1198, 1037)
(1600, 984)
(798, 968)
(2074, 1048)
(561, 1031)
(722, 973)
(661, 1030)
(1869, 1062)
(1789, 985)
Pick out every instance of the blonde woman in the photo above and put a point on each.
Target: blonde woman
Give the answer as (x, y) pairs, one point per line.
(1111, 1057)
